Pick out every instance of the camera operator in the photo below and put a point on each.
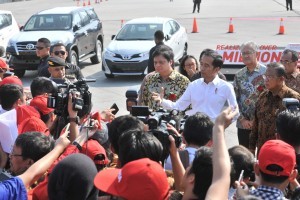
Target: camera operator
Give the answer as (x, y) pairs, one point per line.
(197, 132)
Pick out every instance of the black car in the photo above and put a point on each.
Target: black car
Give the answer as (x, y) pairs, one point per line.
(79, 28)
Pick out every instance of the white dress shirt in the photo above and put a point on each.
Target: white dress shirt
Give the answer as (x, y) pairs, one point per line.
(207, 98)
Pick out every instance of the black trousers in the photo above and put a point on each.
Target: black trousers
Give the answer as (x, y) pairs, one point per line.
(243, 136)
(196, 5)
(289, 2)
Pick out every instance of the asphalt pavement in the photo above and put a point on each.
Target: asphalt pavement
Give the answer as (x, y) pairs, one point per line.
(256, 20)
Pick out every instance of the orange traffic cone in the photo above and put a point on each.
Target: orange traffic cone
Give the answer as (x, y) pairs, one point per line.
(281, 28)
(231, 28)
(83, 4)
(195, 26)
(122, 22)
(89, 2)
(77, 2)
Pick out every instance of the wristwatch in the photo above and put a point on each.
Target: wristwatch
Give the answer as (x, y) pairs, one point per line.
(74, 119)
(78, 146)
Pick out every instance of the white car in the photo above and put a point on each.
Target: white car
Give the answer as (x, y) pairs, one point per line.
(128, 52)
(8, 27)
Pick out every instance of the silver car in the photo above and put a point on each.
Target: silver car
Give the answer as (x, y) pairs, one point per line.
(128, 52)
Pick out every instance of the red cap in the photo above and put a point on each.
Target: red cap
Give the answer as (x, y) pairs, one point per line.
(24, 112)
(278, 153)
(11, 80)
(3, 64)
(33, 124)
(140, 179)
(40, 103)
(92, 148)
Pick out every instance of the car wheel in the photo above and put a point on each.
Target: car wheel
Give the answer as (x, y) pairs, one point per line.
(19, 72)
(73, 58)
(110, 76)
(98, 50)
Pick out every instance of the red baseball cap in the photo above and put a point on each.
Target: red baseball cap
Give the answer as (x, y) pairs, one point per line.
(279, 153)
(140, 179)
(92, 148)
(11, 80)
(40, 103)
(3, 64)
(24, 112)
(33, 124)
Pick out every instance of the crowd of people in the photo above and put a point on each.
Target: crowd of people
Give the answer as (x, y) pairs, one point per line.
(95, 155)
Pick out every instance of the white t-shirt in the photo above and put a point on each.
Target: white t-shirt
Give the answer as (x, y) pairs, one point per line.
(207, 98)
(192, 152)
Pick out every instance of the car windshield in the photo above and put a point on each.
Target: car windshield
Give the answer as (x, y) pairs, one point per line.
(138, 31)
(49, 22)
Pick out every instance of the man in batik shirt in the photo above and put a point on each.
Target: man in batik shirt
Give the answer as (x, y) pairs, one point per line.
(248, 84)
(269, 105)
(173, 83)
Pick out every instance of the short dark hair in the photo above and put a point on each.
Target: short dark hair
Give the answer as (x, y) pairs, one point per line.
(198, 129)
(159, 35)
(278, 67)
(202, 168)
(135, 144)
(34, 145)
(165, 51)
(217, 58)
(59, 44)
(45, 41)
(295, 54)
(41, 85)
(272, 178)
(181, 66)
(242, 159)
(288, 127)
(9, 94)
(120, 125)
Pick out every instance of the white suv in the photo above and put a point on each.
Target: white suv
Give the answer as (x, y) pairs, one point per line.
(8, 27)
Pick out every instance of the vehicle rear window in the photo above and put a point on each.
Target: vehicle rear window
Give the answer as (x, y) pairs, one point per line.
(49, 22)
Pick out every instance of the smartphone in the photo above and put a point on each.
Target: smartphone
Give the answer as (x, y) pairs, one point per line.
(114, 106)
(241, 176)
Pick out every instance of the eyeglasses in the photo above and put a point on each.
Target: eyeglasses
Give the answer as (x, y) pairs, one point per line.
(286, 62)
(269, 77)
(190, 65)
(246, 53)
(59, 52)
(39, 48)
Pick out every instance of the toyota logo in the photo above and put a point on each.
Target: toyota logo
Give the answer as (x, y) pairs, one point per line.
(126, 57)
(29, 46)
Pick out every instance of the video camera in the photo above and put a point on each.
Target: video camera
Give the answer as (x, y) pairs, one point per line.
(291, 104)
(81, 100)
(157, 122)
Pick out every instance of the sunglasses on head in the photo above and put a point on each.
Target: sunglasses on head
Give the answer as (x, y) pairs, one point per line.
(59, 52)
(40, 48)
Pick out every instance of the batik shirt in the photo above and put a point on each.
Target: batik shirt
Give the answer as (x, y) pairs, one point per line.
(293, 81)
(247, 86)
(266, 110)
(174, 87)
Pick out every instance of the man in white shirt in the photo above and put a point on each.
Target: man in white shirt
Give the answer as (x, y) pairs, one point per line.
(207, 94)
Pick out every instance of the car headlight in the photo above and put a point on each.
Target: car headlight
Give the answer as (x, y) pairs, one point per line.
(109, 53)
(144, 55)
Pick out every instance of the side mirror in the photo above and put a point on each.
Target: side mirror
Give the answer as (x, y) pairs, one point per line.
(113, 36)
(76, 27)
(167, 37)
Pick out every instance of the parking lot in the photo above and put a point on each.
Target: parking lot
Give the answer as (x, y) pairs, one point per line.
(253, 20)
